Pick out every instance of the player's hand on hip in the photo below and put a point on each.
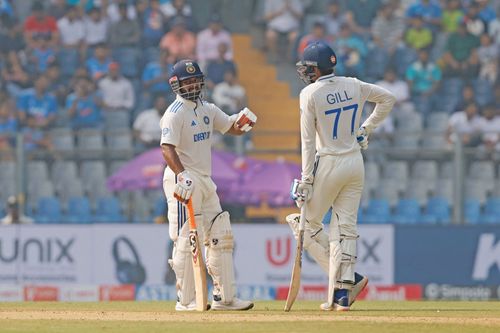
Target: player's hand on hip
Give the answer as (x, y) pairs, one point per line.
(184, 187)
(301, 191)
(246, 120)
(362, 137)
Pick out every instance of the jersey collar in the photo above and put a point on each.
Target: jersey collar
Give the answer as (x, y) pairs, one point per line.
(186, 102)
(326, 77)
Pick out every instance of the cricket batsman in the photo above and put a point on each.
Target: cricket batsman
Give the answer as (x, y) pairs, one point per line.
(187, 131)
(332, 166)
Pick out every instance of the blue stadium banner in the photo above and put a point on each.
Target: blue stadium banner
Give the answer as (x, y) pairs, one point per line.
(461, 256)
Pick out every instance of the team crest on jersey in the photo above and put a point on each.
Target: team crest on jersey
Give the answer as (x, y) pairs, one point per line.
(190, 68)
(206, 120)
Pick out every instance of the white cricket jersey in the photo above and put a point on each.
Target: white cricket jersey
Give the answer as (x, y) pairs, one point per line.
(330, 111)
(189, 127)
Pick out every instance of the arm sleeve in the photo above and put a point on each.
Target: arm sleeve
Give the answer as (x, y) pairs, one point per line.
(171, 128)
(307, 135)
(384, 100)
(222, 122)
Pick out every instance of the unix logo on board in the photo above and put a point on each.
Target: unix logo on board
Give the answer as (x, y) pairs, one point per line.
(487, 255)
(51, 250)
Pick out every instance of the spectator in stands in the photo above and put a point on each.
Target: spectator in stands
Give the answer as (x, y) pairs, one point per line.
(398, 87)
(486, 12)
(488, 54)
(473, 22)
(423, 77)
(465, 125)
(14, 76)
(147, 131)
(180, 42)
(387, 29)
(351, 50)
(489, 128)
(96, 27)
(418, 36)
(58, 8)
(72, 29)
(179, 8)
(460, 59)
(154, 24)
(40, 23)
(229, 95)
(124, 32)
(98, 64)
(429, 10)
(42, 55)
(334, 19)
(208, 40)
(467, 97)
(452, 15)
(283, 18)
(82, 106)
(363, 12)
(494, 30)
(39, 104)
(57, 86)
(8, 126)
(117, 91)
(14, 213)
(318, 34)
(115, 8)
(11, 37)
(155, 77)
(35, 138)
(6, 8)
(217, 68)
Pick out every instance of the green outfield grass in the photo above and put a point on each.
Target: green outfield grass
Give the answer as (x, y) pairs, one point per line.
(268, 317)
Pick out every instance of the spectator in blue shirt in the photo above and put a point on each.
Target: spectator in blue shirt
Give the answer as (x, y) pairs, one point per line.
(155, 79)
(39, 104)
(6, 8)
(486, 12)
(82, 106)
(154, 24)
(351, 50)
(42, 55)
(35, 138)
(429, 10)
(98, 64)
(217, 68)
(8, 126)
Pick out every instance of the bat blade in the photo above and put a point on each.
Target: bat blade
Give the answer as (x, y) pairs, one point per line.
(200, 274)
(293, 291)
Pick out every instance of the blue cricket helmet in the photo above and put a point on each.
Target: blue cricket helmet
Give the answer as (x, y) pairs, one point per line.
(184, 70)
(317, 55)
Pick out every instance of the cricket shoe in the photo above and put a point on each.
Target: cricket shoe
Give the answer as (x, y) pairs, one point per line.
(190, 307)
(235, 305)
(340, 301)
(360, 283)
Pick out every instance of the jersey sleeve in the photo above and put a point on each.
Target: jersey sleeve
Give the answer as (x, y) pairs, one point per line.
(222, 122)
(384, 102)
(307, 135)
(171, 127)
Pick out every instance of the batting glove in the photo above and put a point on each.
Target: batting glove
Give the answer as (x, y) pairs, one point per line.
(246, 120)
(300, 192)
(362, 137)
(184, 187)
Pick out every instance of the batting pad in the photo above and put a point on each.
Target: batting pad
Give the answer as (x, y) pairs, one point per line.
(183, 268)
(220, 258)
(317, 246)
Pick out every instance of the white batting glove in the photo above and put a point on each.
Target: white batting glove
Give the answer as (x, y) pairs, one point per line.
(362, 137)
(246, 120)
(301, 191)
(184, 187)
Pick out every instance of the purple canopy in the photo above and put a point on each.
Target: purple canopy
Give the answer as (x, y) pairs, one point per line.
(146, 171)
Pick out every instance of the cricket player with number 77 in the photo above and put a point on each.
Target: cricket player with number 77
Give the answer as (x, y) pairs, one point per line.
(187, 131)
(332, 167)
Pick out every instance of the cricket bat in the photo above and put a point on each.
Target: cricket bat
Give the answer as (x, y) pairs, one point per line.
(293, 291)
(200, 274)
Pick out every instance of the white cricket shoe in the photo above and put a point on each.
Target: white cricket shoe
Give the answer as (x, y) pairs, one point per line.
(235, 305)
(340, 301)
(360, 283)
(190, 307)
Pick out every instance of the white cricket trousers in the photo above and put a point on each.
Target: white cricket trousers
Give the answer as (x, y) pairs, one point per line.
(205, 202)
(338, 183)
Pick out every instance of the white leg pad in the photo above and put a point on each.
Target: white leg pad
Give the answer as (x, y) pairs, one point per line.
(348, 247)
(183, 268)
(220, 258)
(317, 246)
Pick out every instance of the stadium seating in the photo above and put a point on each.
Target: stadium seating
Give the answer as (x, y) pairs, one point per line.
(78, 211)
(49, 210)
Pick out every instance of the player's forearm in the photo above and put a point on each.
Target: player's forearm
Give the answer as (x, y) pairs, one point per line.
(172, 159)
(308, 139)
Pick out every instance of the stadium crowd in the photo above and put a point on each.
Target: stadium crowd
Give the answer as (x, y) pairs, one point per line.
(97, 71)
